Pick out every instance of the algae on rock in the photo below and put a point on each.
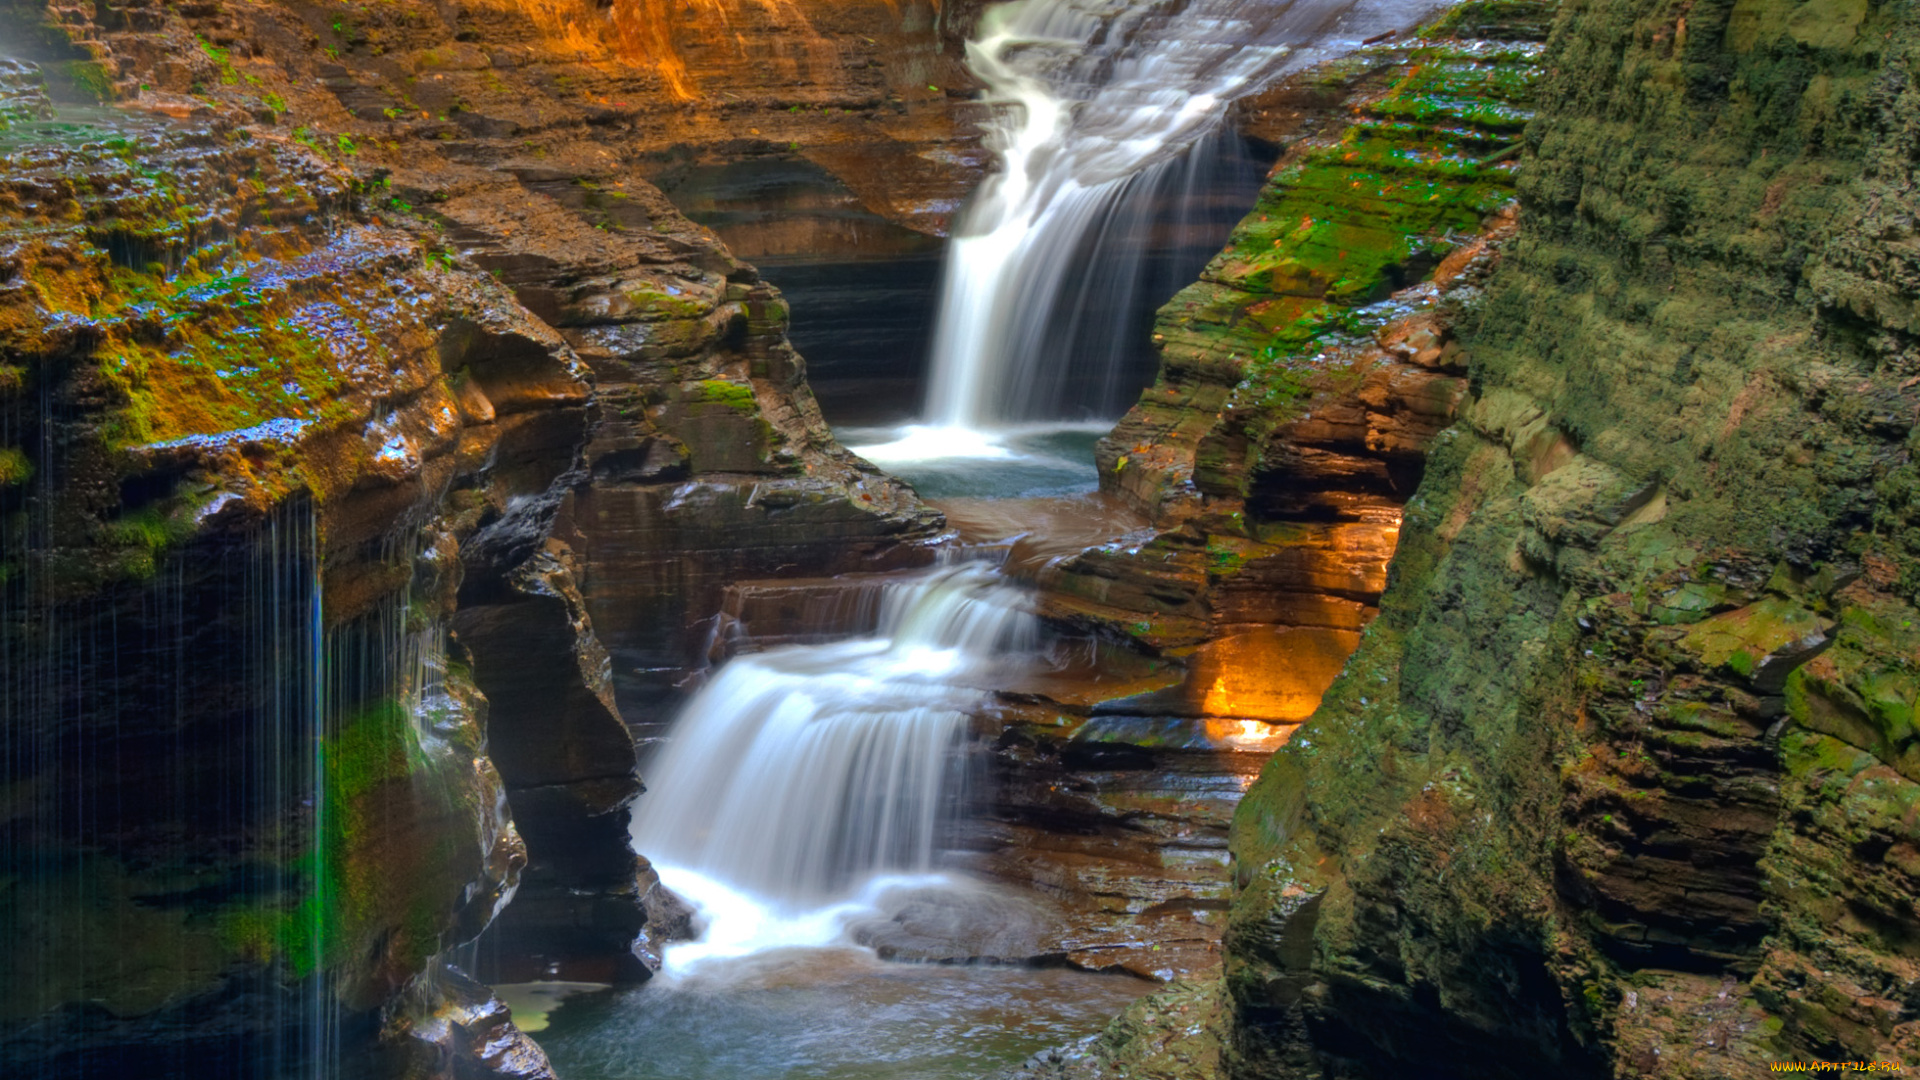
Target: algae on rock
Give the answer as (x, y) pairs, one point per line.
(1613, 786)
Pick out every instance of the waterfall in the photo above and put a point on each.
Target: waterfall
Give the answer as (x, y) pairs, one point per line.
(1102, 109)
(801, 775)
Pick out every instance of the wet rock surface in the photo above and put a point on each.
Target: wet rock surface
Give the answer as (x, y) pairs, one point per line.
(236, 318)
(236, 495)
(1575, 806)
(1131, 850)
(1173, 1034)
(462, 1030)
(711, 465)
(567, 760)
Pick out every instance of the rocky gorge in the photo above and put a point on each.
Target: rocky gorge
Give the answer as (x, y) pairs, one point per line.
(1487, 650)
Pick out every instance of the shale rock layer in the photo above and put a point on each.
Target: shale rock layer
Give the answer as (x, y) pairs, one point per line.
(1615, 784)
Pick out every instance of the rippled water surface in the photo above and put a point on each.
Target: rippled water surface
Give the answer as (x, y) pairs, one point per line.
(830, 1013)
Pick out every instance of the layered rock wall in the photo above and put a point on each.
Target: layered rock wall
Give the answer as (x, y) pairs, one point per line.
(1304, 376)
(868, 94)
(367, 365)
(1613, 785)
(249, 431)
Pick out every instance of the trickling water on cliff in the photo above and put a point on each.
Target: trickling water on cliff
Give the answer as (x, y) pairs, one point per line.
(1105, 111)
(800, 779)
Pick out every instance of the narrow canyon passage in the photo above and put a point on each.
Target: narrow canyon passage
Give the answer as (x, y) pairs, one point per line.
(959, 539)
(908, 828)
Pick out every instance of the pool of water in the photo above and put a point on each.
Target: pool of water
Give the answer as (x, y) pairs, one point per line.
(830, 1014)
(1022, 462)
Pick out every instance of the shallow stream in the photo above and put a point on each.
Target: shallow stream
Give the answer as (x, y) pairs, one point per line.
(831, 1013)
(815, 801)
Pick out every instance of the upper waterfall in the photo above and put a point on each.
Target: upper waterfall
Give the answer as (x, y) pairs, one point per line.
(1100, 106)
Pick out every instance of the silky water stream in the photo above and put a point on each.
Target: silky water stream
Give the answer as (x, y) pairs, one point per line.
(1107, 122)
(802, 806)
(806, 797)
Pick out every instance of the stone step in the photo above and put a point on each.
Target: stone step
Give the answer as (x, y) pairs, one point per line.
(763, 614)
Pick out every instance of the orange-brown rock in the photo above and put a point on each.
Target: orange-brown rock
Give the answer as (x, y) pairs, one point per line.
(445, 292)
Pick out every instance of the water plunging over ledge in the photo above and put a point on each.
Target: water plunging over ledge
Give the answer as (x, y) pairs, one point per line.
(801, 803)
(804, 796)
(1104, 109)
(803, 783)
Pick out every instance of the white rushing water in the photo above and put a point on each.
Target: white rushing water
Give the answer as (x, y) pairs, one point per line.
(1101, 104)
(803, 783)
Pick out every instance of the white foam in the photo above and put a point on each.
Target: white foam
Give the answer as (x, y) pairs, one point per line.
(739, 924)
(921, 443)
(1099, 106)
(801, 779)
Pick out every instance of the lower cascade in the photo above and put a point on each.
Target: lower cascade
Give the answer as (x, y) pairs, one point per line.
(804, 781)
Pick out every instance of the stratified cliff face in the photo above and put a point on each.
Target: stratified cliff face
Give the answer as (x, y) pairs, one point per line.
(529, 154)
(1621, 781)
(317, 472)
(247, 432)
(1303, 378)
(858, 101)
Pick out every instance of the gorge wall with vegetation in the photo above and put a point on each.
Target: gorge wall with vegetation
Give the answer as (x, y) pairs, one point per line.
(368, 335)
(1620, 781)
(343, 428)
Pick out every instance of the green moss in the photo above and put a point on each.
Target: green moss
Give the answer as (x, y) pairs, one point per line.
(86, 80)
(253, 933)
(340, 881)
(222, 58)
(660, 303)
(1740, 638)
(131, 546)
(1505, 19)
(1225, 556)
(226, 360)
(15, 469)
(1865, 689)
(1688, 603)
(1346, 222)
(369, 749)
(733, 395)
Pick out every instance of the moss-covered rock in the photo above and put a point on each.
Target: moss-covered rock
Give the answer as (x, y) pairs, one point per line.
(1614, 785)
(254, 294)
(253, 428)
(1305, 375)
(1374, 204)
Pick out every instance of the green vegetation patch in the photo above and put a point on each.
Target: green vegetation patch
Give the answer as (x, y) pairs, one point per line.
(15, 469)
(80, 80)
(1349, 221)
(734, 395)
(369, 749)
(1866, 689)
(660, 304)
(216, 358)
(1740, 639)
